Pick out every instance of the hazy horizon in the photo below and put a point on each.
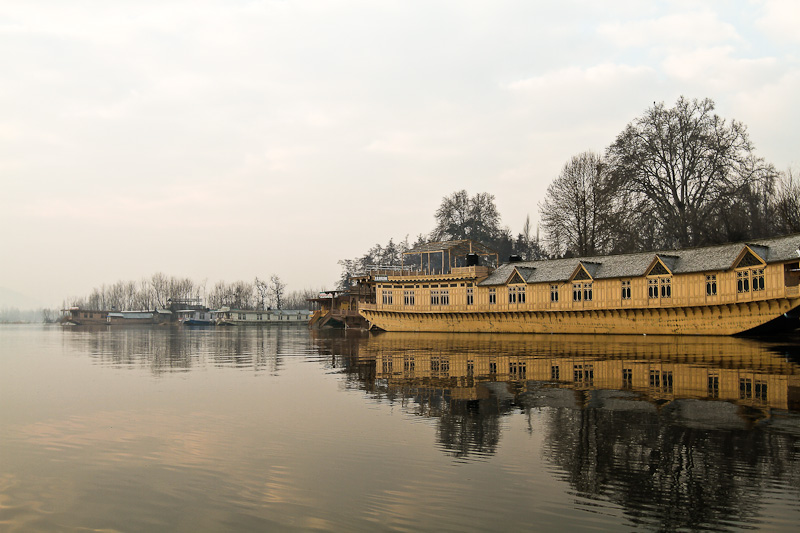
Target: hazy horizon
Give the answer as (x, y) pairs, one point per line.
(222, 141)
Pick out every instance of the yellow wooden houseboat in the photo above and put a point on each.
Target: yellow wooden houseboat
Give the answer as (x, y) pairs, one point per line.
(718, 290)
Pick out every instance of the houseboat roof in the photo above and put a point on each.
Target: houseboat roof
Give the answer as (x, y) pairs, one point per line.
(706, 259)
(131, 314)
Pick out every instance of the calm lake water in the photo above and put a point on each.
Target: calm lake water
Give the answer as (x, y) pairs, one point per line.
(279, 428)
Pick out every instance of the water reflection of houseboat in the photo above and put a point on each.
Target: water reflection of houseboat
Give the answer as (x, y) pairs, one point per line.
(657, 369)
(717, 290)
(226, 316)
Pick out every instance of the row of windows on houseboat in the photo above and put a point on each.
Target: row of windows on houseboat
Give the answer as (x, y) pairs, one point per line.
(661, 287)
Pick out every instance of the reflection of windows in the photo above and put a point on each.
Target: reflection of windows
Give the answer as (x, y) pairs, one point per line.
(408, 363)
(626, 290)
(517, 369)
(661, 380)
(554, 372)
(711, 285)
(713, 386)
(553, 293)
(745, 388)
(627, 378)
(493, 368)
(752, 389)
(761, 391)
(583, 374)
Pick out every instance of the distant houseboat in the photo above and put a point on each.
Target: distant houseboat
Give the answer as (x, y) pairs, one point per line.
(130, 317)
(716, 290)
(83, 317)
(242, 317)
(195, 317)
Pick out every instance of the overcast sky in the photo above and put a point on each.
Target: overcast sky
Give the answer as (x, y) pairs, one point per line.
(223, 140)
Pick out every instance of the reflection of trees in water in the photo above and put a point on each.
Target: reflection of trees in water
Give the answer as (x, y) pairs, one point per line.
(470, 427)
(670, 467)
(340, 350)
(175, 349)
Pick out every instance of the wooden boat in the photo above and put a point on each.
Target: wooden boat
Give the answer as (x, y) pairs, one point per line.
(718, 290)
(76, 316)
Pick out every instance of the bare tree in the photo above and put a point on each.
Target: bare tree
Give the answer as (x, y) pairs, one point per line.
(277, 289)
(787, 204)
(574, 212)
(262, 288)
(159, 285)
(684, 163)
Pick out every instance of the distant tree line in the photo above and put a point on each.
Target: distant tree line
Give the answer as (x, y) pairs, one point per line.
(673, 178)
(158, 291)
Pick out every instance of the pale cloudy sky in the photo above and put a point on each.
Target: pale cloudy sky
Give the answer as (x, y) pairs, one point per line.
(232, 139)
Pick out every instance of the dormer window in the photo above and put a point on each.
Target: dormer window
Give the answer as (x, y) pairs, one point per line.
(758, 279)
(666, 287)
(652, 288)
(516, 294)
(659, 282)
(582, 291)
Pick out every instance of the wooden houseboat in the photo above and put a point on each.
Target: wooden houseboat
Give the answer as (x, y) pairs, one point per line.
(117, 318)
(717, 290)
(195, 317)
(76, 316)
(226, 316)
